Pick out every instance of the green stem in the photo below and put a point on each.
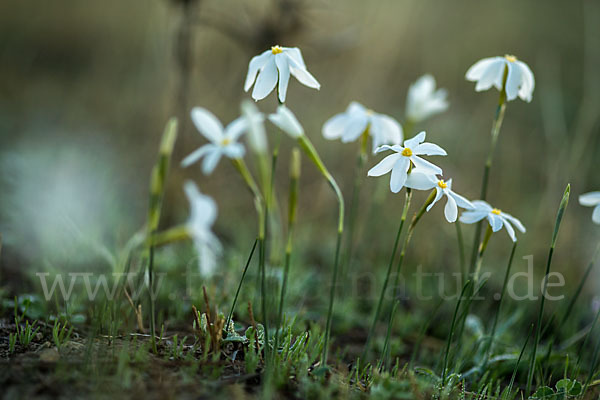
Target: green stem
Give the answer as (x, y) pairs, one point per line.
(461, 251)
(311, 152)
(559, 216)
(388, 273)
(452, 326)
(496, 125)
(239, 288)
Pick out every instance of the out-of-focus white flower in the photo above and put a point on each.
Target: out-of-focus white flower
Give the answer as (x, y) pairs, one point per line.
(423, 100)
(496, 218)
(592, 199)
(425, 181)
(203, 212)
(352, 123)
(492, 72)
(285, 120)
(276, 65)
(257, 137)
(222, 140)
(400, 162)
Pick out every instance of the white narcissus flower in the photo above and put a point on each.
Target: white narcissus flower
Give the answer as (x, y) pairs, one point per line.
(352, 123)
(203, 212)
(491, 72)
(496, 218)
(257, 137)
(222, 140)
(425, 181)
(276, 65)
(592, 199)
(423, 100)
(400, 162)
(285, 120)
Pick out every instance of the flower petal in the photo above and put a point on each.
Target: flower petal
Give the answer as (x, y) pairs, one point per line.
(528, 82)
(438, 195)
(234, 150)
(284, 75)
(355, 127)
(384, 166)
(495, 222)
(493, 75)
(510, 230)
(197, 154)
(425, 165)
(476, 71)
(305, 77)
(461, 201)
(515, 221)
(589, 199)
(254, 66)
(399, 175)
(482, 205)
(267, 79)
(470, 217)
(236, 128)
(596, 215)
(385, 130)
(450, 211)
(207, 124)
(285, 120)
(415, 141)
(210, 161)
(430, 149)
(334, 127)
(295, 54)
(513, 81)
(420, 181)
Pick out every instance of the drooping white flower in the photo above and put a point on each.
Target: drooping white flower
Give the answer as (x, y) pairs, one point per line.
(203, 212)
(352, 123)
(285, 120)
(496, 218)
(424, 181)
(276, 65)
(222, 140)
(257, 137)
(493, 70)
(423, 100)
(400, 162)
(592, 199)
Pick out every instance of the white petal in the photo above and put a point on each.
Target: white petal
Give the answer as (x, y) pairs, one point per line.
(515, 221)
(470, 217)
(589, 199)
(355, 127)
(415, 141)
(207, 124)
(385, 165)
(302, 74)
(234, 150)
(495, 222)
(425, 165)
(203, 209)
(285, 120)
(510, 230)
(236, 128)
(429, 149)
(399, 175)
(513, 81)
(528, 82)
(493, 75)
(284, 75)
(420, 181)
(295, 54)
(397, 148)
(476, 71)
(257, 137)
(210, 161)
(334, 127)
(355, 107)
(450, 211)
(461, 201)
(438, 196)
(385, 130)
(197, 154)
(254, 66)
(596, 215)
(267, 79)
(482, 205)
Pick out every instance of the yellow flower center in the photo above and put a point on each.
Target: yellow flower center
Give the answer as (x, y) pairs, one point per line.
(442, 184)
(407, 152)
(276, 50)
(496, 211)
(510, 58)
(225, 141)
(370, 112)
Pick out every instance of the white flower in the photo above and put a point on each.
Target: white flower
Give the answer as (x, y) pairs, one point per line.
(493, 70)
(222, 141)
(285, 120)
(592, 199)
(495, 217)
(276, 65)
(423, 100)
(424, 181)
(257, 137)
(203, 212)
(352, 123)
(400, 162)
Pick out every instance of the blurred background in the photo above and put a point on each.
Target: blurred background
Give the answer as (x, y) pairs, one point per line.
(86, 88)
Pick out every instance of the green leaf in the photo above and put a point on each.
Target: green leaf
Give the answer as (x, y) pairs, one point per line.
(544, 392)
